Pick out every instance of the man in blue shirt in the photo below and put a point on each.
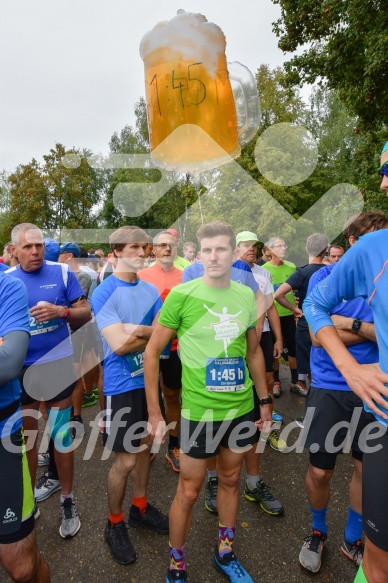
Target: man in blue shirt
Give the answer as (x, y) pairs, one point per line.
(363, 272)
(18, 551)
(333, 402)
(55, 300)
(125, 308)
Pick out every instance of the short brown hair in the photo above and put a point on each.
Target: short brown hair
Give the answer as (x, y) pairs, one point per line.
(363, 223)
(124, 235)
(215, 229)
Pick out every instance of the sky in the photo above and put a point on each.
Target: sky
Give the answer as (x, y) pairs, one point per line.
(71, 71)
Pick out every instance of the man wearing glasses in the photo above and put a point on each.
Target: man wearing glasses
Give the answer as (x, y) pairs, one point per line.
(164, 276)
(280, 271)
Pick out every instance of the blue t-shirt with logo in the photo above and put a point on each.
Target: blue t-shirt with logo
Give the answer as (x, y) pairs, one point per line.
(3, 267)
(14, 316)
(116, 301)
(324, 373)
(240, 273)
(54, 283)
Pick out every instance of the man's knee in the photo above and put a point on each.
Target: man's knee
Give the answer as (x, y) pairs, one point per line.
(188, 491)
(124, 462)
(319, 476)
(23, 569)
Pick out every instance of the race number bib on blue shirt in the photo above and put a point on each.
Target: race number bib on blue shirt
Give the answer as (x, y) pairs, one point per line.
(225, 375)
(136, 363)
(44, 327)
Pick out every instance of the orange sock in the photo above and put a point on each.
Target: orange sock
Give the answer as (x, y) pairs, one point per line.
(141, 503)
(116, 518)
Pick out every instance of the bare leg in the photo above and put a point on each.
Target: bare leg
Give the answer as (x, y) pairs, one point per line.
(23, 562)
(318, 487)
(228, 469)
(122, 466)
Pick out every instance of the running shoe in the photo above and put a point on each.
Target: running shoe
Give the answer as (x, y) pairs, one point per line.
(211, 490)
(172, 456)
(89, 400)
(43, 459)
(46, 486)
(277, 389)
(354, 551)
(79, 429)
(311, 552)
(152, 517)
(300, 422)
(299, 388)
(176, 576)
(264, 498)
(275, 442)
(230, 567)
(101, 425)
(95, 392)
(121, 548)
(71, 523)
(276, 418)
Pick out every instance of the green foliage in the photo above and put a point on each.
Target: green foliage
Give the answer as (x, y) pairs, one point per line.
(60, 193)
(343, 43)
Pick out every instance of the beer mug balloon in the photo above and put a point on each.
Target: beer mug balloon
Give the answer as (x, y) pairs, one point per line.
(200, 109)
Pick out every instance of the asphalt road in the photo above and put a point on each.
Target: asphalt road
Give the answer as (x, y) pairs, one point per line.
(267, 546)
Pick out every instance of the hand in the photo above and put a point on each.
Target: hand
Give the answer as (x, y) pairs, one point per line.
(297, 312)
(157, 428)
(278, 349)
(45, 312)
(368, 382)
(1, 341)
(265, 422)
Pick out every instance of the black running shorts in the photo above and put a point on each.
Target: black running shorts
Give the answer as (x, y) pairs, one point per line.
(171, 369)
(374, 491)
(332, 408)
(16, 497)
(49, 382)
(125, 421)
(201, 439)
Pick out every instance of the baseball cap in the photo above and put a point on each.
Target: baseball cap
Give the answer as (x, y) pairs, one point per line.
(173, 232)
(51, 249)
(69, 247)
(246, 236)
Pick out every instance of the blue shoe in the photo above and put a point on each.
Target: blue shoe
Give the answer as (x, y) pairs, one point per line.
(176, 576)
(230, 567)
(276, 418)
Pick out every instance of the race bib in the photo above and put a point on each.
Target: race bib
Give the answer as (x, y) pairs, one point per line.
(136, 363)
(225, 375)
(44, 327)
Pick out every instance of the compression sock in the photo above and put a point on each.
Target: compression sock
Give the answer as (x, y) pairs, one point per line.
(141, 503)
(294, 375)
(225, 539)
(360, 577)
(319, 519)
(252, 481)
(353, 529)
(52, 467)
(173, 441)
(177, 559)
(116, 518)
(276, 376)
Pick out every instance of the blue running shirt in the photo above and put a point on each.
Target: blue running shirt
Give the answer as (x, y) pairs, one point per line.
(117, 301)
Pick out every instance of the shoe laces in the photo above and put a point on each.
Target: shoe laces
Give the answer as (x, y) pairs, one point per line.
(152, 512)
(264, 492)
(120, 533)
(69, 510)
(235, 565)
(356, 548)
(175, 452)
(213, 487)
(315, 539)
(43, 479)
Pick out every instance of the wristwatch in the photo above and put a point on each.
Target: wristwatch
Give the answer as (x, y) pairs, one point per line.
(267, 401)
(356, 325)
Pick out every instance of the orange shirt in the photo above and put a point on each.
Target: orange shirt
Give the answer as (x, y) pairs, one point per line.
(164, 281)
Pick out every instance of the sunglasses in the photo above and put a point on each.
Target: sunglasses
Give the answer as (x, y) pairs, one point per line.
(383, 170)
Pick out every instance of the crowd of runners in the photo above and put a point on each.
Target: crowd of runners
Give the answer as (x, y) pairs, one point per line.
(187, 350)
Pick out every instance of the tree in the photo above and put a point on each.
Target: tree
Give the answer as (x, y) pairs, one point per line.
(60, 193)
(5, 209)
(345, 46)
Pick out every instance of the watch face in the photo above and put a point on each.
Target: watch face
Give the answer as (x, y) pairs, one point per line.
(356, 325)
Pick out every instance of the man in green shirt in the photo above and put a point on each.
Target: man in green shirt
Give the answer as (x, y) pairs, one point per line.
(280, 271)
(214, 319)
